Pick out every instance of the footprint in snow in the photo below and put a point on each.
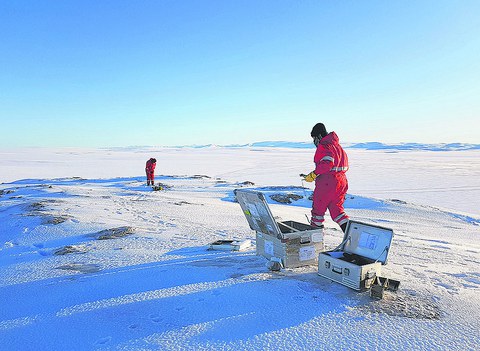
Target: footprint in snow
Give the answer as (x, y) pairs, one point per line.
(44, 252)
(450, 288)
(167, 224)
(155, 318)
(466, 276)
(104, 341)
(221, 233)
(306, 287)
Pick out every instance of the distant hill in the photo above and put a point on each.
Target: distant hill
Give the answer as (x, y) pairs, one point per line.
(415, 146)
(309, 145)
(369, 146)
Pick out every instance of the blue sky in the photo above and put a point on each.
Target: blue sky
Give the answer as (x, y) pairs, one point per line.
(121, 73)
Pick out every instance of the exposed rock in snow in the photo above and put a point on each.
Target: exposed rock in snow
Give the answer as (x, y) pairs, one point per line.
(285, 198)
(71, 249)
(114, 233)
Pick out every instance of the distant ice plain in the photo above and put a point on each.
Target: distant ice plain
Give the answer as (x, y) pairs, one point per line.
(448, 180)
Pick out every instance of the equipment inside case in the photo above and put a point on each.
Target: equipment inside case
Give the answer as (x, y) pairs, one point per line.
(358, 260)
(349, 257)
(292, 243)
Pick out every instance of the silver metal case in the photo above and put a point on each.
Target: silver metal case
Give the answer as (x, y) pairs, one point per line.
(359, 258)
(292, 243)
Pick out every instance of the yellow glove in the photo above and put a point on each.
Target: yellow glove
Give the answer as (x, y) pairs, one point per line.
(310, 177)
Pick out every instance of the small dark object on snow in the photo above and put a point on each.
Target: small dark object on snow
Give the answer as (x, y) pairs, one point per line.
(161, 186)
(380, 285)
(274, 266)
(180, 203)
(376, 291)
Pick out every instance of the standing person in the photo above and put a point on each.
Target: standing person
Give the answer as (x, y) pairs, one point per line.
(150, 170)
(331, 185)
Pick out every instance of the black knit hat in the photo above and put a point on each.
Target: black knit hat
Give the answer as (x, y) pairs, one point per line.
(319, 130)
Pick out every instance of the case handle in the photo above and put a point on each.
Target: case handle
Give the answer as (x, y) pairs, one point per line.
(337, 269)
(305, 240)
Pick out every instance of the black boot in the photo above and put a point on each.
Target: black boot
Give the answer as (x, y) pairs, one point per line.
(321, 226)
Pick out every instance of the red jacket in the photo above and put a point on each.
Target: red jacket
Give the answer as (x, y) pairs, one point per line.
(150, 167)
(330, 156)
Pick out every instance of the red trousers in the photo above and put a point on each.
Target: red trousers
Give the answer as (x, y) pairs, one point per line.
(329, 193)
(150, 177)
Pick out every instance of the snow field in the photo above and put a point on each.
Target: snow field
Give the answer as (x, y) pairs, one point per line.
(160, 288)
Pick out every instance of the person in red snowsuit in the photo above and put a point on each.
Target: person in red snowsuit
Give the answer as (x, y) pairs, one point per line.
(331, 185)
(150, 170)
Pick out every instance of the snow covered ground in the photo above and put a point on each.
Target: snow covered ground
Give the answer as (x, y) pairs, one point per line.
(64, 285)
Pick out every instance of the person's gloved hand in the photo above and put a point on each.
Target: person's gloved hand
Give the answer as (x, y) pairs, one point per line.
(310, 177)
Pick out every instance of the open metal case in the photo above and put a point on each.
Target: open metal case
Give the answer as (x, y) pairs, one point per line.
(293, 244)
(358, 260)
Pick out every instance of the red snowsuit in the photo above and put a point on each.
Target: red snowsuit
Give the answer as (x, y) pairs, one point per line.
(331, 185)
(150, 170)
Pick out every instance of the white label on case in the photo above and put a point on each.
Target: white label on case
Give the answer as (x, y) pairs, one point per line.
(306, 253)
(268, 247)
(317, 237)
(368, 241)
